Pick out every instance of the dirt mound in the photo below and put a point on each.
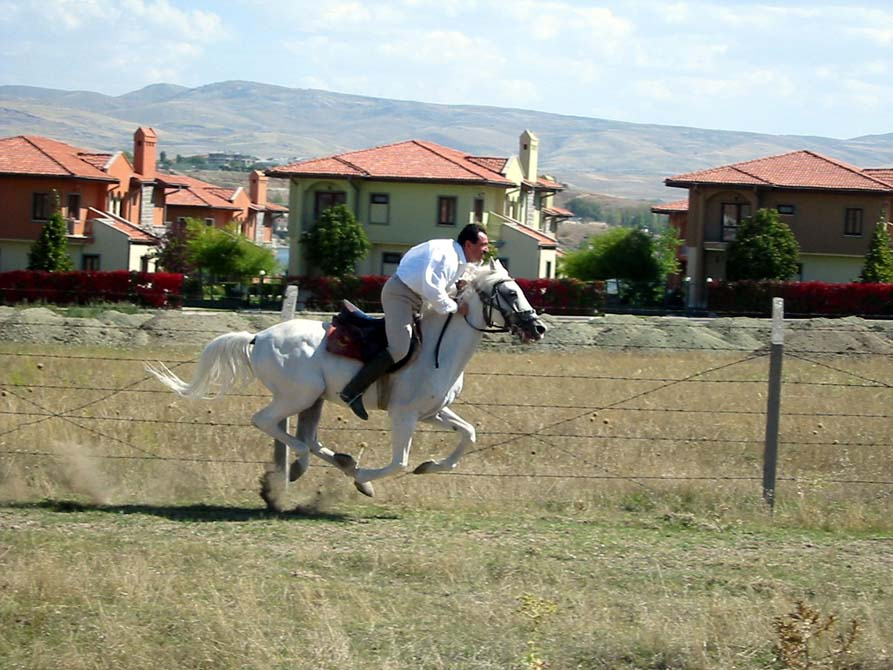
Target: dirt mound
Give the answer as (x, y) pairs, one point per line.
(111, 328)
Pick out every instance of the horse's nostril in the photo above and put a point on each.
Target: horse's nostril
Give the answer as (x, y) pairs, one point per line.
(540, 329)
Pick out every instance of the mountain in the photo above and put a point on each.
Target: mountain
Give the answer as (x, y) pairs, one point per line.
(593, 155)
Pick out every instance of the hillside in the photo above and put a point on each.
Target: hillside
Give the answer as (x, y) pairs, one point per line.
(592, 155)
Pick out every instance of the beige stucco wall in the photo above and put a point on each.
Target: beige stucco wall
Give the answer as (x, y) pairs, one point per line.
(524, 257)
(412, 213)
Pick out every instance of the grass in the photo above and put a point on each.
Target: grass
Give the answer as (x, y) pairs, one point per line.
(611, 538)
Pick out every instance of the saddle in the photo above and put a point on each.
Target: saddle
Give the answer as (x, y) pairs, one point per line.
(355, 334)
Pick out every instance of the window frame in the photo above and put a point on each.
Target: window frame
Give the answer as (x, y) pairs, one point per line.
(791, 210)
(724, 229)
(40, 204)
(853, 228)
(451, 203)
(76, 198)
(386, 205)
(92, 258)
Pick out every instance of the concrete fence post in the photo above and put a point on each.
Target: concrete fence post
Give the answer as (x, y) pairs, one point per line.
(773, 403)
(280, 450)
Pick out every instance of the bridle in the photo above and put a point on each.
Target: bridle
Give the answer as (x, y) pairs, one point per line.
(490, 301)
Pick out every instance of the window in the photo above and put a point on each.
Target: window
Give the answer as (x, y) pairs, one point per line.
(144, 263)
(852, 221)
(733, 213)
(40, 207)
(478, 210)
(209, 222)
(74, 206)
(786, 210)
(389, 262)
(90, 262)
(446, 210)
(323, 200)
(548, 269)
(379, 208)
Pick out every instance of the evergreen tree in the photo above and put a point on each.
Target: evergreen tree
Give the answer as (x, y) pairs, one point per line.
(337, 242)
(764, 248)
(878, 267)
(50, 250)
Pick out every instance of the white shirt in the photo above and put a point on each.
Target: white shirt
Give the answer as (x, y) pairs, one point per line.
(431, 269)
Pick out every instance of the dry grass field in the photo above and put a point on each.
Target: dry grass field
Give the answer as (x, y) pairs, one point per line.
(610, 517)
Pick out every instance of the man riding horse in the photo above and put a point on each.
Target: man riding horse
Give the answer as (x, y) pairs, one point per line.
(425, 275)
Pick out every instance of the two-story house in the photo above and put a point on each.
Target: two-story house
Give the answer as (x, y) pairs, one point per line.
(830, 206)
(412, 191)
(117, 212)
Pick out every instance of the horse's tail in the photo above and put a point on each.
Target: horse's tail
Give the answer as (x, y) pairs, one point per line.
(224, 364)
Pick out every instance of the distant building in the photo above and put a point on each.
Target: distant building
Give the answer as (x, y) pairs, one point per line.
(830, 206)
(412, 191)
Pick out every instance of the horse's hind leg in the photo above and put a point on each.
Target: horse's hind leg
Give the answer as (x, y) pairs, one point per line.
(448, 419)
(308, 424)
(269, 420)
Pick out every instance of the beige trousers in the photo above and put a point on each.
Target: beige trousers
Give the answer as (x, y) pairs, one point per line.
(400, 304)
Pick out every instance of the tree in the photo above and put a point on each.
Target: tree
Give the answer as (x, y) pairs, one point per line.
(50, 250)
(174, 253)
(225, 253)
(764, 248)
(619, 253)
(878, 267)
(336, 242)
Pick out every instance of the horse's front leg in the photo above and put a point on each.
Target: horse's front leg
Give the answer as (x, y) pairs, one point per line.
(447, 418)
(402, 428)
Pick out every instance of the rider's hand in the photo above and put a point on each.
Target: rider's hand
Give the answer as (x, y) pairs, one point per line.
(462, 309)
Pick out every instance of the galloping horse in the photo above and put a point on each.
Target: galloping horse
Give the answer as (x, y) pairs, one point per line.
(291, 359)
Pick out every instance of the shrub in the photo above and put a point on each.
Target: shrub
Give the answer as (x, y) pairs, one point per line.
(151, 289)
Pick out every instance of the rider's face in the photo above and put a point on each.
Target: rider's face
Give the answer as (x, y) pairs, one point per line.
(474, 251)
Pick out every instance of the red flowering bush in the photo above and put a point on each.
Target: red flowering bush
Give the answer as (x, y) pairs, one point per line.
(802, 298)
(158, 289)
(564, 295)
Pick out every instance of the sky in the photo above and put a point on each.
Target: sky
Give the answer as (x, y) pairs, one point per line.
(788, 67)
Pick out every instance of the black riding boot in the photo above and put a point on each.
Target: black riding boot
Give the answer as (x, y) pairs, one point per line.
(353, 392)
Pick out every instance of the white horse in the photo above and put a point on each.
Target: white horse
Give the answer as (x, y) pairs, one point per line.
(292, 361)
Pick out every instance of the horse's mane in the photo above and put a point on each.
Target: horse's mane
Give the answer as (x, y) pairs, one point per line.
(475, 275)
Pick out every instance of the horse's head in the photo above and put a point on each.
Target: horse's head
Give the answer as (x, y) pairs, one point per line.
(504, 304)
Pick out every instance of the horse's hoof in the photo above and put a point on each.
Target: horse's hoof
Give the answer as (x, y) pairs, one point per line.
(425, 468)
(345, 462)
(365, 488)
(296, 471)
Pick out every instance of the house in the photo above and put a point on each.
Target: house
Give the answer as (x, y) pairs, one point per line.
(117, 212)
(412, 191)
(830, 206)
(100, 194)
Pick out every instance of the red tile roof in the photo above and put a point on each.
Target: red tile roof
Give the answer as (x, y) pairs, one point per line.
(41, 156)
(135, 233)
(184, 191)
(413, 160)
(542, 239)
(549, 184)
(557, 211)
(884, 174)
(798, 169)
(671, 207)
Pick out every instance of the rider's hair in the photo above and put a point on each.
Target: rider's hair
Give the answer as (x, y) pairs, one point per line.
(470, 233)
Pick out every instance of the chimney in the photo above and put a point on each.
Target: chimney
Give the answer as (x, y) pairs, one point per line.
(528, 155)
(144, 141)
(257, 188)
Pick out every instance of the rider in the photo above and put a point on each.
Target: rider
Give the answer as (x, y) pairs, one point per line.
(425, 275)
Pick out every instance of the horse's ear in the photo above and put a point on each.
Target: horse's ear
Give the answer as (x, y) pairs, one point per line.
(493, 262)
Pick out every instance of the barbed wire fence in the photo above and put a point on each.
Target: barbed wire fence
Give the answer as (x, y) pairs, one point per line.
(558, 434)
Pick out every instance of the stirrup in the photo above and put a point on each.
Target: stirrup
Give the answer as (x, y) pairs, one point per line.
(356, 404)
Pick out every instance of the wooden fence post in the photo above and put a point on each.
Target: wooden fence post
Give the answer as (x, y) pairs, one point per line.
(773, 404)
(280, 450)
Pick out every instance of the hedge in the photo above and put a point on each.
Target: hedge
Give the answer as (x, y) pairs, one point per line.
(151, 289)
(553, 296)
(802, 298)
